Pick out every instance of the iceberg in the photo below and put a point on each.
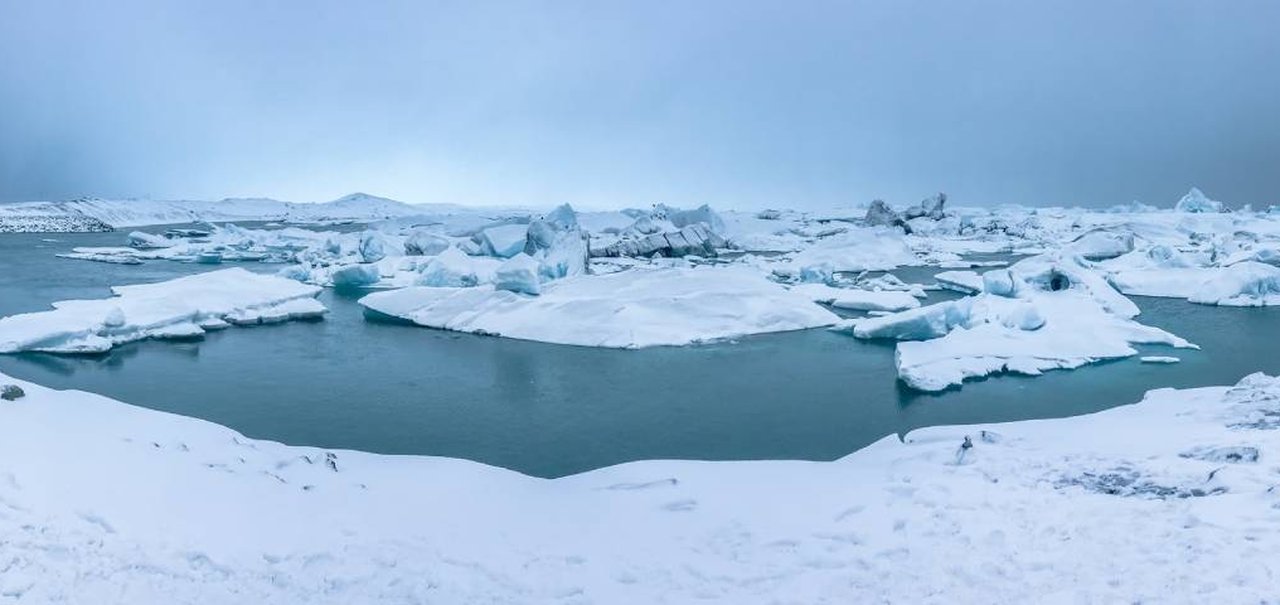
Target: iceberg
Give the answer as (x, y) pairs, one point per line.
(181, 307)
(967, 282)
(421, 242)
(558, 244)
(1246, 284)
(454, 268)
(639, 307)
(1042, 313)
(503, 241)
(518, 274)
(359, 275)
(1197, 202)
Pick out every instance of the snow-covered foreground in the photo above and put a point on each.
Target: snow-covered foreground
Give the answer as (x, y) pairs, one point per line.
(1172, 500)
(185, 307)
(629, 309)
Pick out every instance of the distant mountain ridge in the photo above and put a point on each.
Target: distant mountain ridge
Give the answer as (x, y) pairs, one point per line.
(46, 216)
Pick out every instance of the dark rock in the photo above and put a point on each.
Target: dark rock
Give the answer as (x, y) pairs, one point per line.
(10, 392)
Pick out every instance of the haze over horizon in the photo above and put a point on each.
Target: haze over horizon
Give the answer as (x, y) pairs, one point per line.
(738, 104)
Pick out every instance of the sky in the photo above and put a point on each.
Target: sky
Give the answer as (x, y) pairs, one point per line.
(736, 103)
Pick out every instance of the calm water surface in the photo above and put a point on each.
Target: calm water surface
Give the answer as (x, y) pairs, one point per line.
(361, 383)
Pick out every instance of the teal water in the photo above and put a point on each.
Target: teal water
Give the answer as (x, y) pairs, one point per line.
(361, 383)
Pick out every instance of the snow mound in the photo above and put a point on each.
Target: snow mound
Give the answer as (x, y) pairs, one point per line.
(640, 307)
(181, 307)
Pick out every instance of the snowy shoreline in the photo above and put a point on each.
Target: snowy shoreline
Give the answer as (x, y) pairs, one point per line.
(1171, 499)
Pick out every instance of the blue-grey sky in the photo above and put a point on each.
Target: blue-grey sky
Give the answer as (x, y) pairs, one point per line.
(734, 102)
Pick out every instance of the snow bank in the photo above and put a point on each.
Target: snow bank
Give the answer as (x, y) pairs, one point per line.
(1043, 313)
(181, 307)
(640, 307)
(1174, 496)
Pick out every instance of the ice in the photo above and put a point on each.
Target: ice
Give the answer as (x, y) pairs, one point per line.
(640, 307)
(358, 275)
(373, 247)
(968, 282)
(504, 241)
(701, 215)
(454, 268)
(1102, 244)
(1169, 497)
(856, 250)
(1042, 313)
(1246, 284)
(143, 240)
(1158, 359)
(558, 244)
(857, 299)
(1196, 201)
(178, 307)
(519, 274)
(421, 242)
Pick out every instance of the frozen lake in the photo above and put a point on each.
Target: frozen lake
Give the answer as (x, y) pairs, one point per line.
(375, 385)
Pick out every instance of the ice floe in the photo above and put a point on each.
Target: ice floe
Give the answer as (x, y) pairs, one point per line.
(640, 307)
(1042, 313)
(179, 308)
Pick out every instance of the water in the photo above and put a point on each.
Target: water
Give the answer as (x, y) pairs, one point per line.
(549, 410)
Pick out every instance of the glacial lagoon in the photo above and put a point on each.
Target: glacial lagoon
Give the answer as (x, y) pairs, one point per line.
(357, 381)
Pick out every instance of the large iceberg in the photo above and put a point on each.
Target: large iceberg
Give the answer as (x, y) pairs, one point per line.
(640, 307)
(179, 308)
(1196, 201)
(557, 243)
(1042, 313)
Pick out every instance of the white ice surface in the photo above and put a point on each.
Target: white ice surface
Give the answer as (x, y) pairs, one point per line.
(639, 307)
(1169, 500)
(167, 309)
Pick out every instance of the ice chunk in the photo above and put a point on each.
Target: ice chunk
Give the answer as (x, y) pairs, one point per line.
(1246, 284)
(453, 268)
(856, 250)
(1196, 201)
(1101, 245)
(639, 307)
(518, 274)
(503, 241)
(358, 275)
(421, 242)
(967, 282)
(143, 240)
(1158, 359)
(1041, 313)
(372, 248)
(558, 244)
(164, 309)
(702, 214)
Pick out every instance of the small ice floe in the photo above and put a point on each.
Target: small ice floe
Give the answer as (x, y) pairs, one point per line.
(180, 308)
(1158, 359)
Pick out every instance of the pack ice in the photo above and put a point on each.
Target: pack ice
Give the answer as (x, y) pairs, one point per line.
(179, 308)
(639, 307)
(1044, 312)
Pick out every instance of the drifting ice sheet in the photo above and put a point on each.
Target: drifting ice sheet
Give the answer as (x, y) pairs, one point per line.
(629, 309)
(178, 308)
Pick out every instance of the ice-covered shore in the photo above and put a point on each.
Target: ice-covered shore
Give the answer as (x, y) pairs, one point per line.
(1169, 500)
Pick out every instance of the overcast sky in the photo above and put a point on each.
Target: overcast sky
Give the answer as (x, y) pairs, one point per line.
(734, 103)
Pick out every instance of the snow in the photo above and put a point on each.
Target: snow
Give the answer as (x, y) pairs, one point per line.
(1042, 313)
(857, 249)
(175, 308)
(640, 307)
(1171, 499)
